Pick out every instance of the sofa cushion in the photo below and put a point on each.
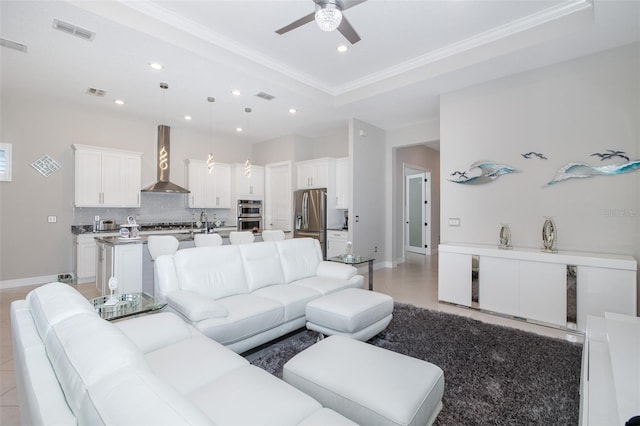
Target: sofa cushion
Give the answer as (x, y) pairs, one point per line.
(325, 285)
(194, 306)
(248, 315)
(143, 330)
(211, 271)
(203, 361)
(251, 396)
(293, 298)
(137, 397)
(56, 302)
(261, 265)
(299, 258)
(84, 349)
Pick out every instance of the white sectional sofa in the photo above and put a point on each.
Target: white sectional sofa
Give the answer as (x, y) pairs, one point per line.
(74, 368)
(245, 295)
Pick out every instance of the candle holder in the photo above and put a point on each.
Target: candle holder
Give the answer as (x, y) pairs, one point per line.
(549, 236)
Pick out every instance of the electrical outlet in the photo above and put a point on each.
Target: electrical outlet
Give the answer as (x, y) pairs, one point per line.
(96, 218)
(375, 249)
(52, 219)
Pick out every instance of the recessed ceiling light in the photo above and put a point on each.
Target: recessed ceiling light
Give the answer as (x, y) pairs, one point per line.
(292, 110)
(235, 92)
(156, 66)
(342, 48)
(187, 117)
(238, 129)
(119, 102)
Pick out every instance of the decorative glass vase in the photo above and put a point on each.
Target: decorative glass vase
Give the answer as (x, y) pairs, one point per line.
(549, 236)
(505, 237)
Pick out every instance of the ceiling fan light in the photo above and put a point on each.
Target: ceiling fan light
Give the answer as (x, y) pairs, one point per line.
(328, 16)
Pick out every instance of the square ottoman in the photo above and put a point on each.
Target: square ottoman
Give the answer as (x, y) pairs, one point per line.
(367, 384)
(353, 312)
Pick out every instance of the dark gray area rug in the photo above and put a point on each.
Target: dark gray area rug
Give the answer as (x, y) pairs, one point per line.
(493, 375)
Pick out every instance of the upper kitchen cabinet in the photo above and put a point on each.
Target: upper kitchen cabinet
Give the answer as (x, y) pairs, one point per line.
(342, 183)
(106, 177)
(319, 173)
(248, 187)
(208, 190)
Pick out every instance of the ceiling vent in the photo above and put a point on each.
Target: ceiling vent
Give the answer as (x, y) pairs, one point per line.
(96, 92)
(74, 30)
(265, 96)
(13, 45)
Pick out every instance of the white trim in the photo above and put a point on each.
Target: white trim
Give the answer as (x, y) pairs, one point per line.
(26, 282)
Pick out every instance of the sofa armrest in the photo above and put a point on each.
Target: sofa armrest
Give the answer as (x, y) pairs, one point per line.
(194, 306)
(336, 270)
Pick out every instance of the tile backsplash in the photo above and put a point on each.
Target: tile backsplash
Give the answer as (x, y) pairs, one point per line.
(154, 208)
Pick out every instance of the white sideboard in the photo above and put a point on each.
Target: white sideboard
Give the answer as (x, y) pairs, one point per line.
(609, 386)
(532, 284)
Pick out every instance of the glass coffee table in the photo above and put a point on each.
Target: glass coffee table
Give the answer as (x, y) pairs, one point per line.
(354, 259)
(129, 304)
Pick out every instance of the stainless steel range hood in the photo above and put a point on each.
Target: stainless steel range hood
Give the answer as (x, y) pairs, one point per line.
(164, 162)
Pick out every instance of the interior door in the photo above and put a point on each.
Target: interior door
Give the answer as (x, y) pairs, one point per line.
(278, 194)
(418, 212)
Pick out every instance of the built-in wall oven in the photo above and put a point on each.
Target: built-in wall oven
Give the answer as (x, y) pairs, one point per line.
(250, 215)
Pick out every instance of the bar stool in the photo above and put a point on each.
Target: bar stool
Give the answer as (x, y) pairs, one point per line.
(241, 237)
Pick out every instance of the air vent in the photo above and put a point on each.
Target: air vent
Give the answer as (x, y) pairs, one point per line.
(96, 92)
(265, 96)
(13, 45)
(74, 30)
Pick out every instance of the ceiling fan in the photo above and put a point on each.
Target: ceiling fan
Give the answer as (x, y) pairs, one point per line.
(328, 16)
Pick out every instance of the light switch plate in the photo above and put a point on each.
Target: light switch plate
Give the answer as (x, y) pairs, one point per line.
(52, 219)
(454, 221)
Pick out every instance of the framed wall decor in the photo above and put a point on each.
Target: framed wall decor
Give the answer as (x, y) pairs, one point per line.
(5, 162)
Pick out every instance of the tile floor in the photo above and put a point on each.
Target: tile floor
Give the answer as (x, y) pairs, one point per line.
(414, 282)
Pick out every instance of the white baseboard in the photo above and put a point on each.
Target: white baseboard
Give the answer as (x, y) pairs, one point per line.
(26, 282)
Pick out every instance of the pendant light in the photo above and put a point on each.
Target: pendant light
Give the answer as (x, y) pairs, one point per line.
(247, 164)
(210, 160)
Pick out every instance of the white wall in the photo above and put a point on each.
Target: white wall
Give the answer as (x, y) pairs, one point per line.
(366, 152)
(31, 247)
(567, 112)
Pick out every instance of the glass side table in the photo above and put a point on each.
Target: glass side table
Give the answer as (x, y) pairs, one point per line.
(129, 304)
(354, 259)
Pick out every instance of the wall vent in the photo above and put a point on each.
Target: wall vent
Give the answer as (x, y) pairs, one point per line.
(13, 45)
(265, 96)
(74, 30)
(96, 92)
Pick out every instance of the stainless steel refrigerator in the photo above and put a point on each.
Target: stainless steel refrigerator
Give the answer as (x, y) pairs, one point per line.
(311, 215)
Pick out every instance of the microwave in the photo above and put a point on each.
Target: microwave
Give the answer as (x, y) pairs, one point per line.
(249, 208)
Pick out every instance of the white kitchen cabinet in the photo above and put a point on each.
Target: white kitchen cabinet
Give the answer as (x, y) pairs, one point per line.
(337, 243)
(343, 198)
(531, 284)
(106, 177)
(208, 190)
(123, 261)
(84, 258)
(319, 173)
(248, 188)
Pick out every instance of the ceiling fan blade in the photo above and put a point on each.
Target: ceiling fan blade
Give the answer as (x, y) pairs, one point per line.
(348, 4)
(295, 24)
(348, 32)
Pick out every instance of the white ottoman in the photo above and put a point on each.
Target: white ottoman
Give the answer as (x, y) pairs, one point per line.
(368, 384)
(353, 312)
